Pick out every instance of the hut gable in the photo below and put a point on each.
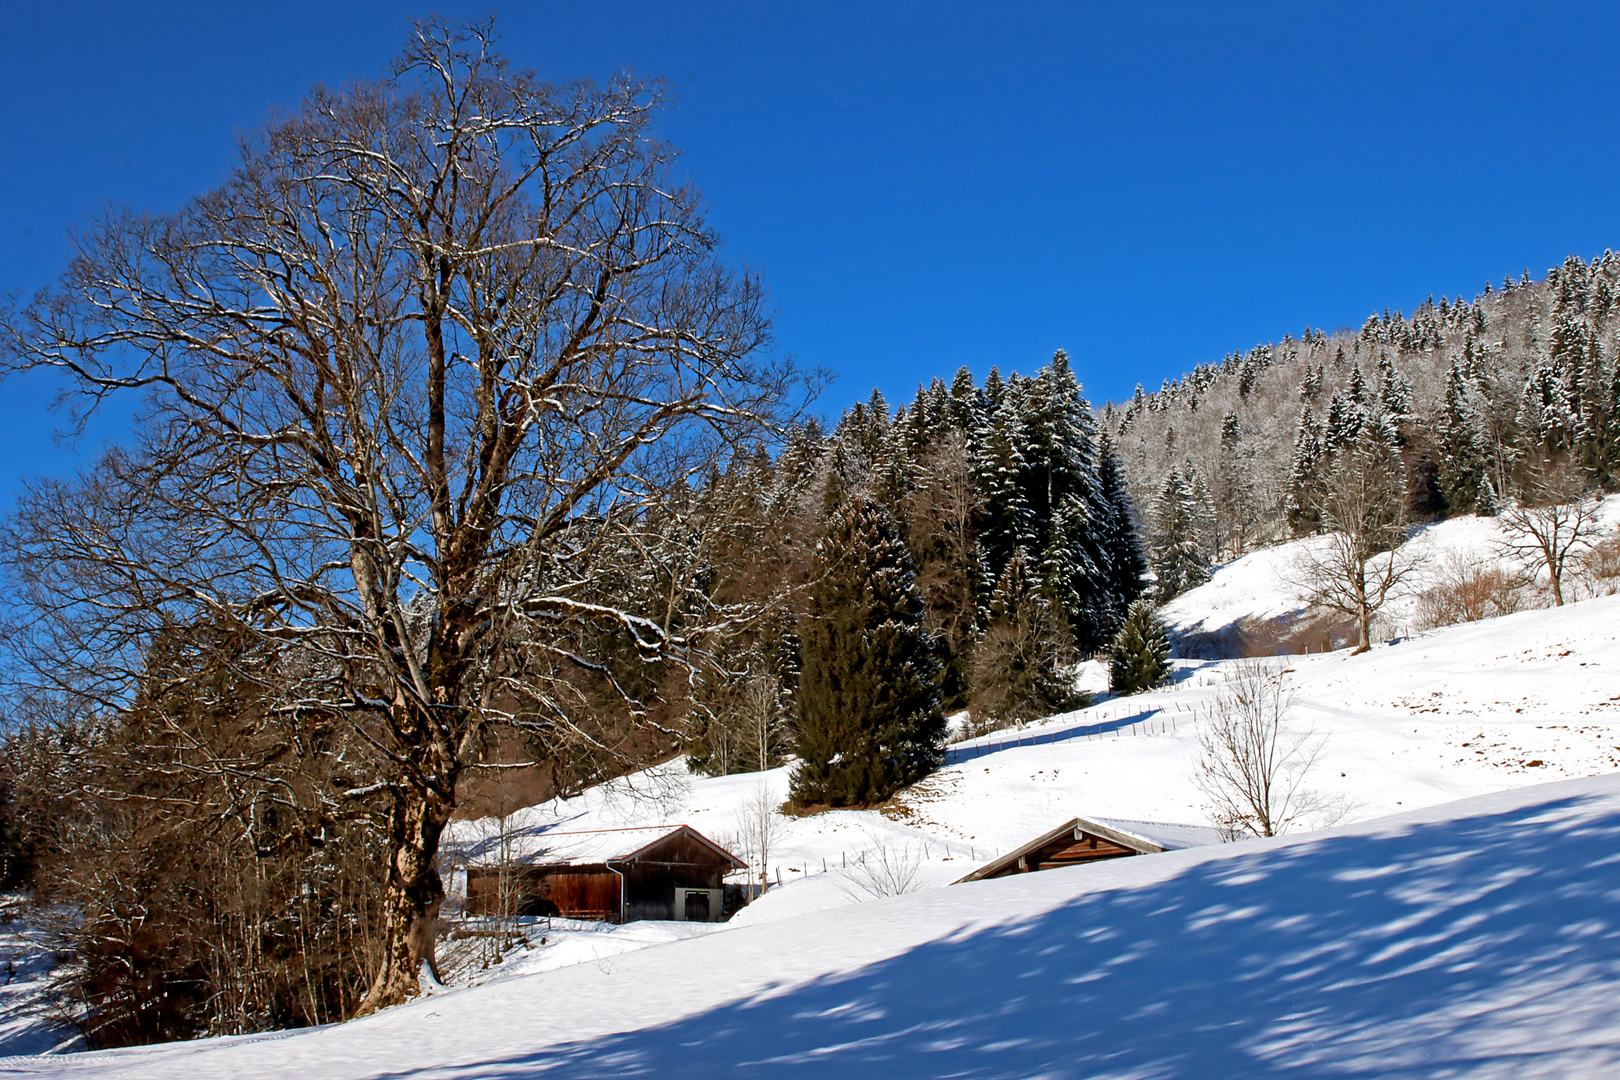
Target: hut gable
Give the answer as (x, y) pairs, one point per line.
(1080, 840)
(619, 875)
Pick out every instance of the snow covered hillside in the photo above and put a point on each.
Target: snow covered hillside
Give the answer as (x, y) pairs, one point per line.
(1418, 943)
(1449, 713)
(1474, 939)
(26, 962)
(1256, 587)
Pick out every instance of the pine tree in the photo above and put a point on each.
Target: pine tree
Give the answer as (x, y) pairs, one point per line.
(1124, 563)
(1550, 410)
(1179, 519)
(1394, 392)
(1058, 435)
(1485, 501)
(869, 709)
(892, 467)
(1344, 423)
(967, 405)
(1358, 386)
(1007, 522)
(994, 389)
(1139, 657)
(1461, 466)
(1305, 481)
(1231, 431)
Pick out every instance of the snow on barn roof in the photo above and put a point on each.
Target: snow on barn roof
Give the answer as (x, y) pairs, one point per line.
(1081, 840)
(1167, 836)
(548, 847)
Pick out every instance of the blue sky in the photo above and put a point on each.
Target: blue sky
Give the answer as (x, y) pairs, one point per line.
(928, 185)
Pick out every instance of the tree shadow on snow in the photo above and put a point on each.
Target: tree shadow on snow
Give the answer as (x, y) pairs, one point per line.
(1482, 946)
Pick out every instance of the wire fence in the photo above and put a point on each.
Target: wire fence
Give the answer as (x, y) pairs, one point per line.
(1148, 718)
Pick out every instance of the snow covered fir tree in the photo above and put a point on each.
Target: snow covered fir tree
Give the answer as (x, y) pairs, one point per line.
(869, 712)
(1139, 655)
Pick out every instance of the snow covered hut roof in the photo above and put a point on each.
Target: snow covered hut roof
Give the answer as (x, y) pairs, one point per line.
(591, 846)
(1167, 835)
(1082, 840)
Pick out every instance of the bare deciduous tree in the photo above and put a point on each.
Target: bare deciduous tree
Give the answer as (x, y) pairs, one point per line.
(759, 826)
(1361, 562)
(1253, 763)
(417, 382)
(1554, 524)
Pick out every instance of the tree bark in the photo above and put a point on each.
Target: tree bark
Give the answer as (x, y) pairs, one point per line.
(411, 902)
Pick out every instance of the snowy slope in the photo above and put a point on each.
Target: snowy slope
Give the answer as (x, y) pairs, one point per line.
(1257, 585)
(1460, 711)
(1475, 939)
(1416, 722)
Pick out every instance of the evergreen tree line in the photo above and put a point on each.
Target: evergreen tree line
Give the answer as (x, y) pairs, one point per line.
(960, 551)
(1472, 396)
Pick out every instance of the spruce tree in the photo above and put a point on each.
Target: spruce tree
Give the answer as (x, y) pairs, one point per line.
(1007, 522)
(1124, 563)
(967, 405)
(1461, 466)
(868, 696)
(1179, 521)
(1057, 434)
(1139, 658)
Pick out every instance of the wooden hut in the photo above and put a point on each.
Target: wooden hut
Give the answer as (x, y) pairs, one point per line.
(611, 875)
(1079, 841)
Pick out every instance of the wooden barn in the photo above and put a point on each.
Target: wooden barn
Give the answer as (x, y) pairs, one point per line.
(1079, 841)
(611, 875)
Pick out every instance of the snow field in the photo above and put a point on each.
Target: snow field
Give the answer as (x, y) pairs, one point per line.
(1474, 939)
(1459, 711)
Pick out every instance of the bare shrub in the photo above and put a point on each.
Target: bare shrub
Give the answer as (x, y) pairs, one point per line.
(1321, 632)
(1600, 565)
(1469, 588)
(1253, 761)
(886, 868)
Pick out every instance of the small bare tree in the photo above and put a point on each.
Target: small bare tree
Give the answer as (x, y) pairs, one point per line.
(759, 827)
(762, 711)
(1253, 762)
(1361, 563)
(1554, 524)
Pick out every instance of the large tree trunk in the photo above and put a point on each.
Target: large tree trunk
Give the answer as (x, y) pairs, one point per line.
(411, 902)
(1363, 613)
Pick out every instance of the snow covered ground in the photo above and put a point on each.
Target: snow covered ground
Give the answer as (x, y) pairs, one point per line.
(1459, 711)
(1470, 938)
(1258, 585)
(1474, 939)
(26, 962)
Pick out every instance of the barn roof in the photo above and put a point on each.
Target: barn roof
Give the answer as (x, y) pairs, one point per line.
(592, 846)
(1081, 840)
